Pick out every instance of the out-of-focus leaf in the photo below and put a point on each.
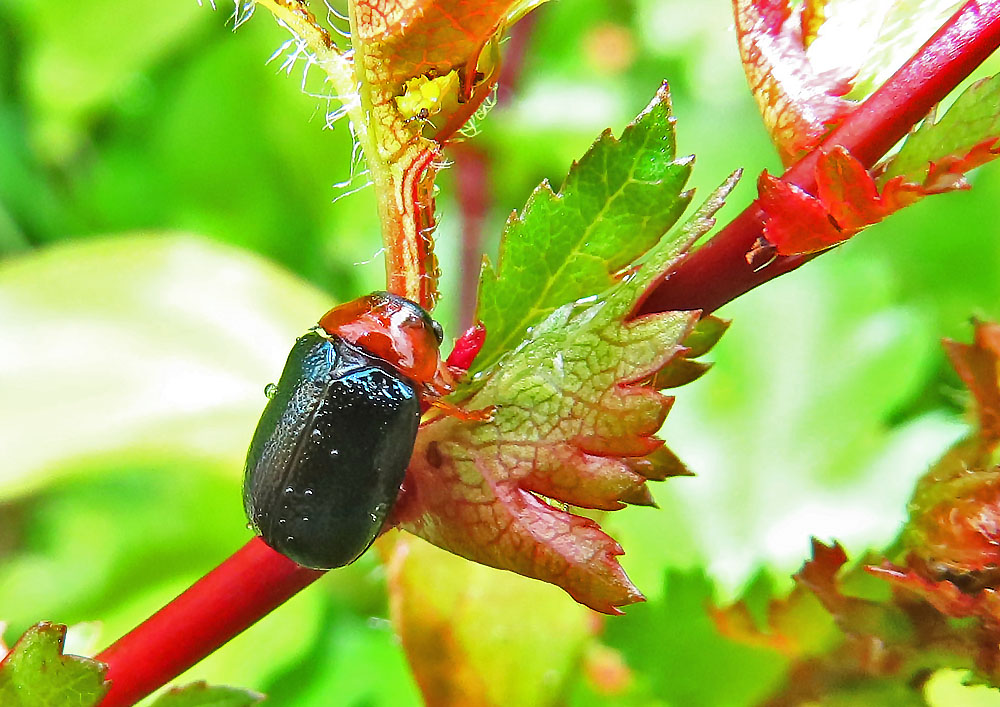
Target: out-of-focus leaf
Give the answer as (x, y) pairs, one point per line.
(35, 673)
(479, 636)
(141, 342)
(677, 654)
(978, 365)
(199, 694)
(170, 342)
(356, 656)
(81, 63)
(952, 687)
(952, 531)
(902, 26)
(871, 657)
(616, 202)
(806, 424)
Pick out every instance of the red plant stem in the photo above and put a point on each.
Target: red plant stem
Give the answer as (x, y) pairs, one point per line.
(473, 166)
(472, 187)
(718, 272)
(256, 579)
(246, 587)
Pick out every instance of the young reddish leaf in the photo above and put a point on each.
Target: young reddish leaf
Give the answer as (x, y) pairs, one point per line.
(849, 193)
(408, 39)
(978, 365)
(824, 577)
(798, 103)
(796, 626)
(570, 411)
(458, 620)
(848, 199)
(952, 532)
(36, 672)
(606, 671)
(860, 652)
(944, 610)
(945, 596)
(797, 221)
(948, 173)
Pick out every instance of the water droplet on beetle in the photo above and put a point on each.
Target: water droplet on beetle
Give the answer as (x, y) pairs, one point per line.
(270, 390)
(317, 435)
(289, 489)
(308, 492)
(334, 453)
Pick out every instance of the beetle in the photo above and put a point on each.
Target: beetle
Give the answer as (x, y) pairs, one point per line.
(329, 454)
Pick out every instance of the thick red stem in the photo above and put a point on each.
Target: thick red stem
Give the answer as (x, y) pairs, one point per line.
(256, 579)
(718, 272)
(235, 595)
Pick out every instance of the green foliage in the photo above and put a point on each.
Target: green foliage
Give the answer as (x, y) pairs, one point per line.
(37, 674)
(827, 399)
(678, 653)
(199, 694)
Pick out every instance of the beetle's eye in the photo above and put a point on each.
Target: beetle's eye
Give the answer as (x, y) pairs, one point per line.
(438, 331)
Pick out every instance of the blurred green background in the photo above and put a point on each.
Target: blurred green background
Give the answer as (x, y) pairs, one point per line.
(167, 229)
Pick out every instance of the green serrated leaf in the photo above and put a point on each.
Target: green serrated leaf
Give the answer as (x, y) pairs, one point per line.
(971, 120)
(36, 673)
(616, 202)
(566, 420)
(199, 694)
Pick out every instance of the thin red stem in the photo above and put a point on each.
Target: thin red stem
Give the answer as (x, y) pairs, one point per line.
(235, 595)
(473, 168)
(256, 579)
(473, 189)
(718, 272)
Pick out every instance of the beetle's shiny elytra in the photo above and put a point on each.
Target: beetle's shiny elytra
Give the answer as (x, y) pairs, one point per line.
(330, 452)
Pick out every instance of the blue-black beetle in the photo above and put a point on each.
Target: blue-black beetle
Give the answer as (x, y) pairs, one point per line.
(330, 452)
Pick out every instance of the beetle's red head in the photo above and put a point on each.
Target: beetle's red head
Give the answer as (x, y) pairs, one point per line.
(393, 328)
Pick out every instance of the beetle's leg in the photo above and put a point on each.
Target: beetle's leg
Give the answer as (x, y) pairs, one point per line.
(448, 410)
